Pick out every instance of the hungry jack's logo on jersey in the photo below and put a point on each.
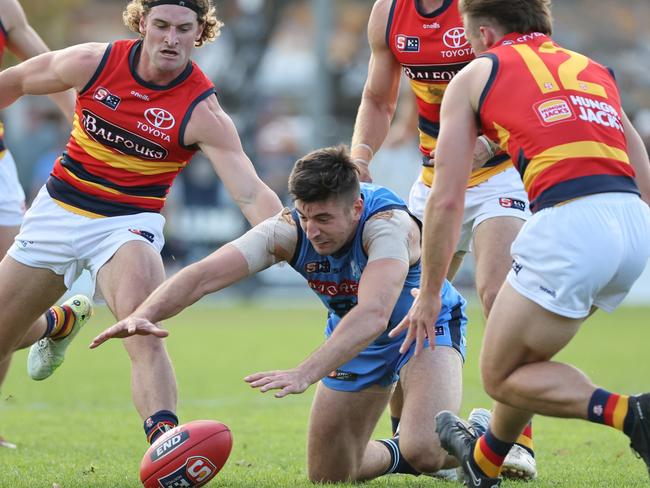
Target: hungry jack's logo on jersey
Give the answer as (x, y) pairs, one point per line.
(554, 111)
(120, 139)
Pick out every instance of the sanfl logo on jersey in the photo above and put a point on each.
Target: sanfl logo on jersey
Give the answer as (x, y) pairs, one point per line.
(103, 96)
(407, 44)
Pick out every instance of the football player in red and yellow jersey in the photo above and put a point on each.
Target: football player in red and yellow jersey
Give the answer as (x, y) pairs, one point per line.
(21, 39)
(143, 109)
(585, 168)
(425, 39)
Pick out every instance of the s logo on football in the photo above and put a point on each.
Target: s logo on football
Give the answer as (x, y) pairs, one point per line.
(196, 471)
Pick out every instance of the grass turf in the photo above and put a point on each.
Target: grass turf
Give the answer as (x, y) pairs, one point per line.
(79, 428)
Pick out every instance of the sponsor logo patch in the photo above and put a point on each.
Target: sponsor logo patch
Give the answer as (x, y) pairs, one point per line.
(407, 44)
(506, 202)
(159, 118)
(103, 96)
(143, 233)
(120, 139)
(170, 445)
(317, 267)
(343, 375)
(331, 288)
(553, 111)
(455, 38)
(441, 72)
(547, 291)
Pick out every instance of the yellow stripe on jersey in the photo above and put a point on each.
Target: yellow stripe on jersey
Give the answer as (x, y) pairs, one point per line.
(430, 93)
(581, 149)
(503, 135)
(78, 211)
(476, 178)
(426, 141)
(2, 130)
(121, 161)
(106, 188)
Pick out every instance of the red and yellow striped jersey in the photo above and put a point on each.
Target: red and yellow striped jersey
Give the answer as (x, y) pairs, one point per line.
(562, 124)
(432, 48)
(3, 45)
(126, 145)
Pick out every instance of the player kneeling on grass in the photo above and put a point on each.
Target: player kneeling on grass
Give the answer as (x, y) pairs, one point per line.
(359, 250)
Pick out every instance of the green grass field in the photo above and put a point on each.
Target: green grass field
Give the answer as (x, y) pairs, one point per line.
(79, 428)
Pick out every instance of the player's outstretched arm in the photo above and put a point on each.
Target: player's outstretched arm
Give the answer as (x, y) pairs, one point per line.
(25, 43)
(379, 288)
(638, 155)
(51, 72)
(254, 251)
(219, 270)
(380, 93)
(213, 130)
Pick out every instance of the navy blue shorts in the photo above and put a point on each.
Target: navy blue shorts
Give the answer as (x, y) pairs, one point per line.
(381, 362)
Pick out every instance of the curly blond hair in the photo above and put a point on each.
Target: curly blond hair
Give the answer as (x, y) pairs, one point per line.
(137, 9)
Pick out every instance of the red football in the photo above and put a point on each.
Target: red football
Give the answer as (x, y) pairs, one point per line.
(188, 456)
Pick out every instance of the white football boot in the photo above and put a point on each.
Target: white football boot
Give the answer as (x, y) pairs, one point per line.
(47, 355)
(519, 463)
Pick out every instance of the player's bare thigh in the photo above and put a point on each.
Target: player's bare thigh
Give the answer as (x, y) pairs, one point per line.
(492, 240)
(26, 293)
(340, 427)
(432, 381)
(518, 332)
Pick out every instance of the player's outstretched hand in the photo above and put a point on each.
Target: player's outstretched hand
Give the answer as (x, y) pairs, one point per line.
(289, 382)
(128, 327)
(419, 322)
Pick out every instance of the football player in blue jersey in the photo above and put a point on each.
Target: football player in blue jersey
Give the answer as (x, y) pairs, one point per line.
(359, 250)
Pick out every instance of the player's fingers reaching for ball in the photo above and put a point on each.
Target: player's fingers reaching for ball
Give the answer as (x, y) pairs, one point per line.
(253, 378)
(262, 381)
(129, 327)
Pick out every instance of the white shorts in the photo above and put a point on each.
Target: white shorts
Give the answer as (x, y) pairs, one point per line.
(586, 252)
(12, 196)
(503, 195)
(54, 238)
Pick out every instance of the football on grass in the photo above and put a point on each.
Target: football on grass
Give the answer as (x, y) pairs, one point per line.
(187, 456)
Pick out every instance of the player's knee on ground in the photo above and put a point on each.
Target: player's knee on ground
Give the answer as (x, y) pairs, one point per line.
(424, 455)
(319, 475)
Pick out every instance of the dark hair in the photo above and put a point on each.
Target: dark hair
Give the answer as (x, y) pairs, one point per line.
(323, 174)
(522, 16)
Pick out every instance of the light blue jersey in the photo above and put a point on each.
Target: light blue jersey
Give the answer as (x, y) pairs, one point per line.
(335, 279)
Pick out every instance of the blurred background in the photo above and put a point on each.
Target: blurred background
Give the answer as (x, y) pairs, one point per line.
(290, 74)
